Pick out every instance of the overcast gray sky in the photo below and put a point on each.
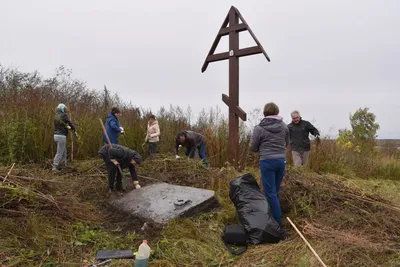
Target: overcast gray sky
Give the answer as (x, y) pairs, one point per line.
(328, 58)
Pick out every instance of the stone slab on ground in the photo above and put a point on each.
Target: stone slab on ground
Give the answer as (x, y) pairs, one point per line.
(162, 202)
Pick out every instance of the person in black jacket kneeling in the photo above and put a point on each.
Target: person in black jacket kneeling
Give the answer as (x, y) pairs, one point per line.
(125, 158)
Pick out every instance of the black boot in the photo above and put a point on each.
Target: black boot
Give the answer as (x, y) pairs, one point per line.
(283, 234)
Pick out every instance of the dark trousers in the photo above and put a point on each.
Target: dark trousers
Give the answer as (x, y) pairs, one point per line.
(152, 148)
(113, 173)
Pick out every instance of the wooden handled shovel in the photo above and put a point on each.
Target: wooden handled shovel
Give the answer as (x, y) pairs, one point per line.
(123, 178)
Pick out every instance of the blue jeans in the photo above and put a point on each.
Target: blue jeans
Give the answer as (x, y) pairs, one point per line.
(202, 153)
(272, 172)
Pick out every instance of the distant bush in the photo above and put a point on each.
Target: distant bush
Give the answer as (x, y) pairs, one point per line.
(355, 151)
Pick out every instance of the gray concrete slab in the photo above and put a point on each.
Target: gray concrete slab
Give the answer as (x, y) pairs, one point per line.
(162, 202)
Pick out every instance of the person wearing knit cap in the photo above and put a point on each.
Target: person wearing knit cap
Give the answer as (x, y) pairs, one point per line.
(62, 124)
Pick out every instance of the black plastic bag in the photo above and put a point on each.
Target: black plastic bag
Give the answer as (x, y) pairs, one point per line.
(253, 210)
(235, 234)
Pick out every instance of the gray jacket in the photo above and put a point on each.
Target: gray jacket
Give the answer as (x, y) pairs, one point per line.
(270, 138)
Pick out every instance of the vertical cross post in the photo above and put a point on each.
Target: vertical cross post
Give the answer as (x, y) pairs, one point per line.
(233, 139)
(232, 101)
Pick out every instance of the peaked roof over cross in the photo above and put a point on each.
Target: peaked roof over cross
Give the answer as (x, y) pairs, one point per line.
(224, 30)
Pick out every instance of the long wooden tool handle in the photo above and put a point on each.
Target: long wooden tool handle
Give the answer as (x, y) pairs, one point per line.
(72, 139)
(105, 133)
(305, 240)
(12, 167)
(110, 146)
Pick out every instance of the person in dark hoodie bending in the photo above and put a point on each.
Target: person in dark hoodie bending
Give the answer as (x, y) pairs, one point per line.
(192, 141)
(125, 158)
(270, 139)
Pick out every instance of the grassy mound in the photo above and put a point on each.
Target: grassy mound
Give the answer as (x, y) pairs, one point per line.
(53, 220)
(344, 225)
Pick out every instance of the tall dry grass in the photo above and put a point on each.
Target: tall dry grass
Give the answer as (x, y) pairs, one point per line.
(27, 110)
(28, 103)
(329, 157)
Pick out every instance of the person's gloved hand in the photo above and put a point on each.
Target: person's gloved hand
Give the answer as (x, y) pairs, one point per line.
(177, 157)
(122, 130)
(115, 162)
(68, 127)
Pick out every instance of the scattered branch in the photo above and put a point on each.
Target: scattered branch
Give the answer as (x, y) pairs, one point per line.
(8, 172)
(31, 179)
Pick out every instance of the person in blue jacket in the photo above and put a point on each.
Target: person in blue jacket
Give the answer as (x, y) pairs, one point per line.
(112, 126)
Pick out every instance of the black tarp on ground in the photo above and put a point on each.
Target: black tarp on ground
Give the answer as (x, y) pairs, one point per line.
(253, 210)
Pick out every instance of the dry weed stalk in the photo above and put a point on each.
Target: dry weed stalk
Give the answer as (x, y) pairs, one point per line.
(5, 178)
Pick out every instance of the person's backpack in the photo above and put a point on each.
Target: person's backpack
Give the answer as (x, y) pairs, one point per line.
(235, 235)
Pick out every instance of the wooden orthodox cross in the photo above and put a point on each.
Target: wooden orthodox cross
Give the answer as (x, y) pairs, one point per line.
(231, 26)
